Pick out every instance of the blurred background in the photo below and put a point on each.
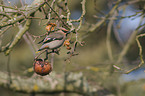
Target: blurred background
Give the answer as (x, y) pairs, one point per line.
(92, 59)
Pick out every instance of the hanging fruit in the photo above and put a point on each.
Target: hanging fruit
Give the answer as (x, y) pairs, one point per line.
(42, 67)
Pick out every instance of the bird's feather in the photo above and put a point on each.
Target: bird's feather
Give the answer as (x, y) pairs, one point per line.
(52, 37)
(53, 40)
(41, 41)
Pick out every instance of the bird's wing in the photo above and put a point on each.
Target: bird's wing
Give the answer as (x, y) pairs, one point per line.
(53, 37)
(46, 40)
(41, 41)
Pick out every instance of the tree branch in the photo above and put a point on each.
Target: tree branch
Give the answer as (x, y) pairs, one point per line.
(129, 43)
(98, 24)
(25, 11)
(68, 82)
(18, 36)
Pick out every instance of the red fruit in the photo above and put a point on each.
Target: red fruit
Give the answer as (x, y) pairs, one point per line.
(66, 42)
(42, 67)
(68, 48)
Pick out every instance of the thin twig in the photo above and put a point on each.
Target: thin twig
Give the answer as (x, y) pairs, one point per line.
(116, 33)
(27, 12)
(83, 13)
(21, 2)
(45, 13)
(140, 54)
(95, 7)
(18, 36)
(130, 41)
(40, 54)
(29, 43)
(8, 69)
(6, 15)
(10, 7)
(57, 16)
(2, 32)
(31, 40)
(35, 37)
(49, 14)
(52, 60)
(109, 29)
(99, 23)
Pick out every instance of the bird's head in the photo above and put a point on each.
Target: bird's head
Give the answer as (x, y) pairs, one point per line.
(65, 31)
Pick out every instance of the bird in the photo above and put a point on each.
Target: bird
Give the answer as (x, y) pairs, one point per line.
(54, 40)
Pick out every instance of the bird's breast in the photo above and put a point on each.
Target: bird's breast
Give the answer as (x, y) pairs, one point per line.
(55, 44)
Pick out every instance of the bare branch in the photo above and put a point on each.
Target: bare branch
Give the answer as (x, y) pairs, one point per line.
(18, 36)
(140, 54)
(28, 10)
(128, 44)
(98, 24)
(68, 82)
